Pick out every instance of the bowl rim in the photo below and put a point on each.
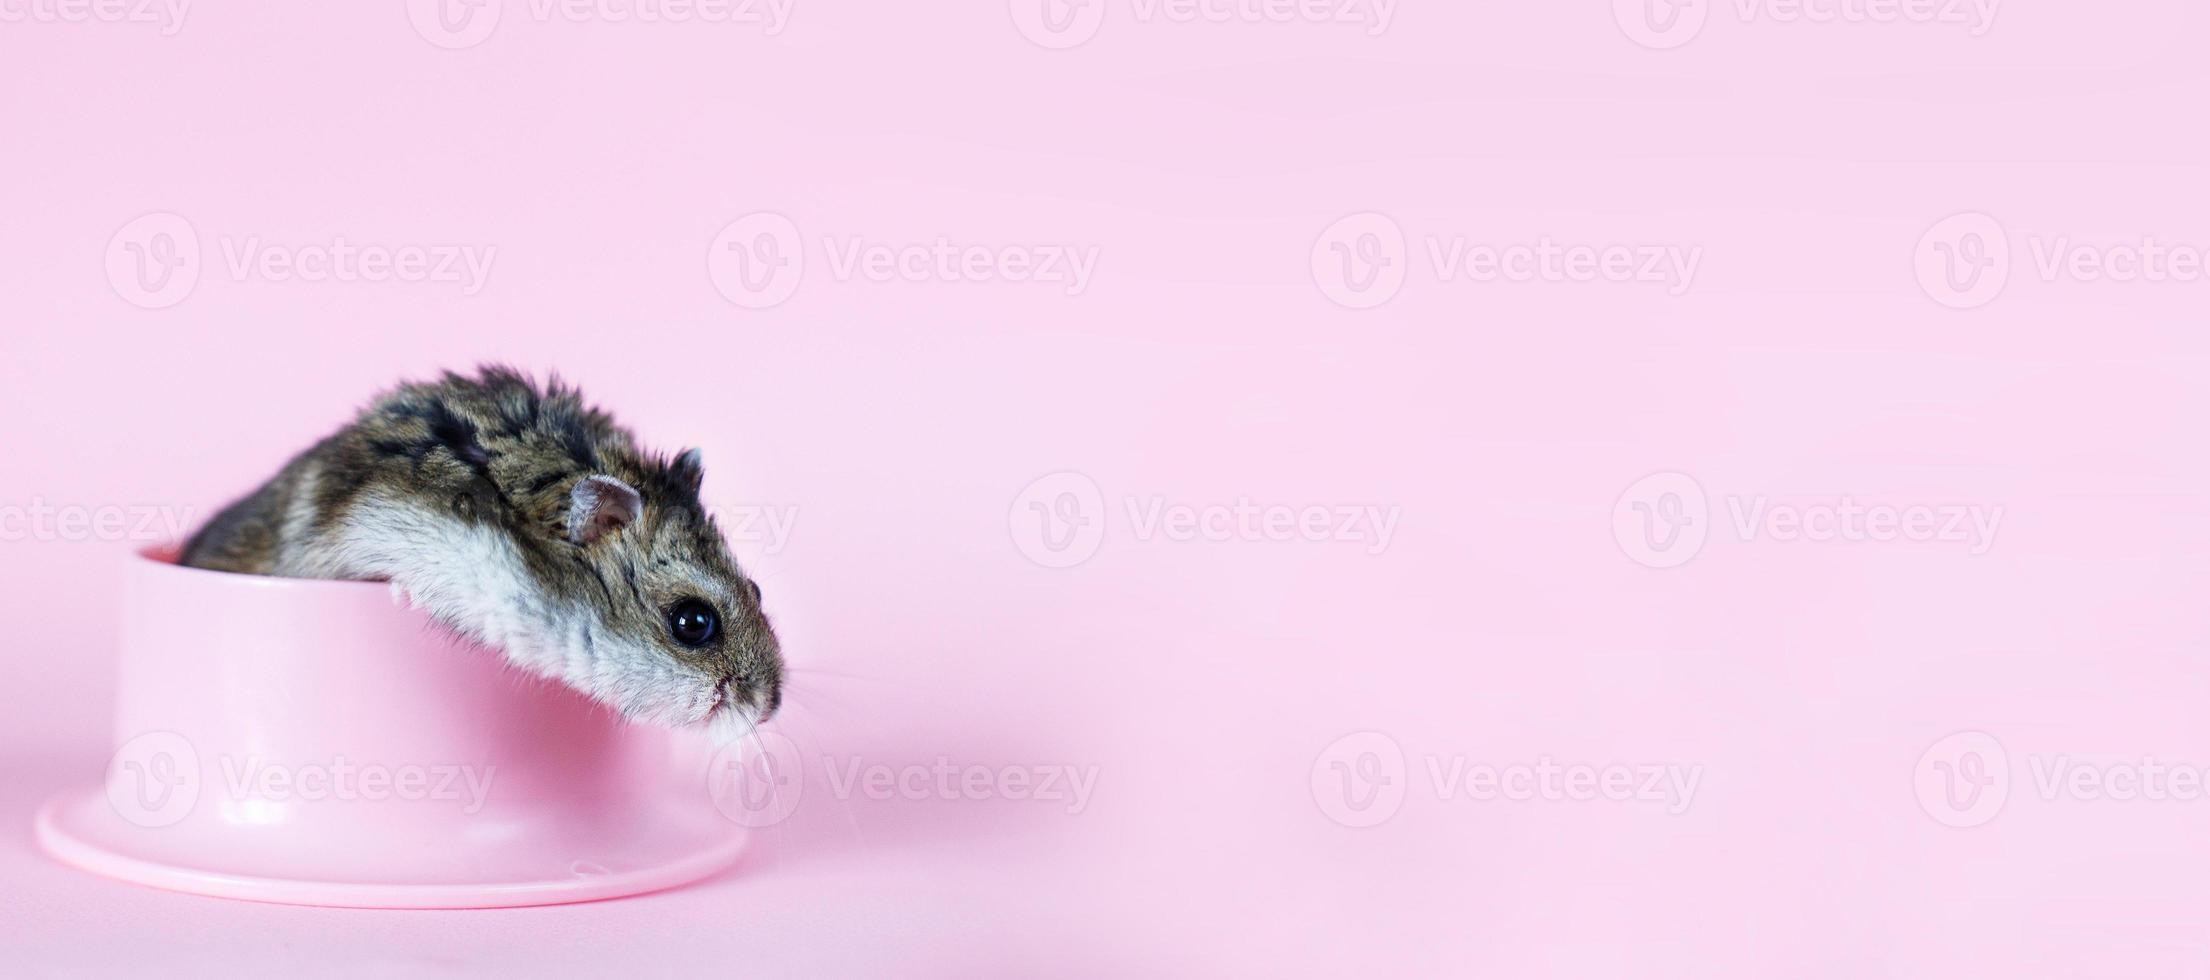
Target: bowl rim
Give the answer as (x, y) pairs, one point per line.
(161, 561)
(699, 860)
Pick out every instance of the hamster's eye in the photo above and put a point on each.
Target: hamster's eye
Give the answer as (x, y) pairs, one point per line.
(693, 623)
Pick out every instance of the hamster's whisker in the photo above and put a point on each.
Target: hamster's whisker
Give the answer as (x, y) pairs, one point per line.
(844, 805)
(794, 692)
(826, 672)
(759, 744)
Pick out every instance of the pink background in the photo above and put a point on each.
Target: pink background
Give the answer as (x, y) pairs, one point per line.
(1207, 680)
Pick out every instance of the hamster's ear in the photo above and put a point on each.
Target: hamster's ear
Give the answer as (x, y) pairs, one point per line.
(601, 505)
(688, 470)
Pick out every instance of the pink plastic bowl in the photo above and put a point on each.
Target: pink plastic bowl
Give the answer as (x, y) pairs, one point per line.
(316, 743)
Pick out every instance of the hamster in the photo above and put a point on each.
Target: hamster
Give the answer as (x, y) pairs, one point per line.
(524, 519)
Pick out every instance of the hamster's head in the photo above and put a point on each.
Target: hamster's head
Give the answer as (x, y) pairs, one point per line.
(674, 632)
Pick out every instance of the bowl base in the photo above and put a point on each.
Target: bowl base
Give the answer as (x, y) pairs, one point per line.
(530, 867)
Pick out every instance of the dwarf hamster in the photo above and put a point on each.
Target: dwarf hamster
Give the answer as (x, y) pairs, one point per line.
(524, 519)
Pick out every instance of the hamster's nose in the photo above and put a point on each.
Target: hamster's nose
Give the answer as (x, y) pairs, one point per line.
(762, 695)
